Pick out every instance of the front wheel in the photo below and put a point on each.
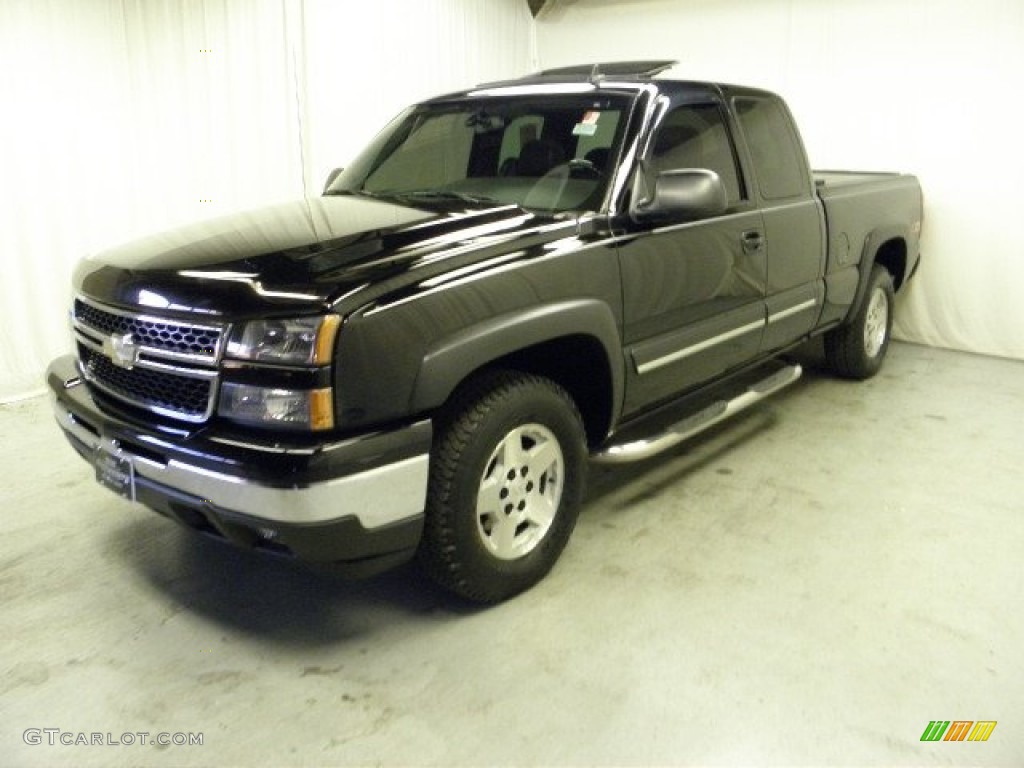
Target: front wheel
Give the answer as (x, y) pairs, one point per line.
(856, 350)
(506, 480)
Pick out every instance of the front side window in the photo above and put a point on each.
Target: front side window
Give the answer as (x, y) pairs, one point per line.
(544, 153)
(695, 136)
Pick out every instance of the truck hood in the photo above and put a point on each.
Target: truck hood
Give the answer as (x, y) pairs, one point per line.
(298, 256)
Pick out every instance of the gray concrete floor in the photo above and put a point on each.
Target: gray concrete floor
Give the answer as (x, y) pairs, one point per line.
(810, 584)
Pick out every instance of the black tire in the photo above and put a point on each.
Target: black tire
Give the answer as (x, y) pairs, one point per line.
(857, 349)
(506, 479)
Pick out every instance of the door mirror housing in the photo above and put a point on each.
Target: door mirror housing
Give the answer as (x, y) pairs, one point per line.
(683, 195)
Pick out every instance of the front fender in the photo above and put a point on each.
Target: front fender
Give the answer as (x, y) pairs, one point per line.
(450, 360)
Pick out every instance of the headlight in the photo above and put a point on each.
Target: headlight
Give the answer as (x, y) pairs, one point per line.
(262, 406)
(297, 340)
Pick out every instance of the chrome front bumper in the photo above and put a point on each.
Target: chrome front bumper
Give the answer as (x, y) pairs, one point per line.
(343, 500)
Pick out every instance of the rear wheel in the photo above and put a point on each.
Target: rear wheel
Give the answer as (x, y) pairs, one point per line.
(856, 350)
(506, 480)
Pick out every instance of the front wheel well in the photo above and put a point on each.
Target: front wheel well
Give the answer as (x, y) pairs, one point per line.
(577, 363)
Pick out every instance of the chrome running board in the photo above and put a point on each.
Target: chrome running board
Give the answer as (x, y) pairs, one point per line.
(696, 423)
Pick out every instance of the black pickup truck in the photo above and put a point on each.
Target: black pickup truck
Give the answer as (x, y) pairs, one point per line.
(586, 264)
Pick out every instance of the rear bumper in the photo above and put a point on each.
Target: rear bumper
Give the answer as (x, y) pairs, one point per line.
(357, 501)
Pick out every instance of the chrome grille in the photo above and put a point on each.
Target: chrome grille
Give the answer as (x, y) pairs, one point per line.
(155, 333)
(164, 393)
(170, 370)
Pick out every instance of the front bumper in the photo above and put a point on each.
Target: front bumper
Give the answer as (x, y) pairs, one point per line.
(356, 502)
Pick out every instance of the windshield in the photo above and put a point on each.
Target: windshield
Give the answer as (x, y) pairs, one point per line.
(545, 154)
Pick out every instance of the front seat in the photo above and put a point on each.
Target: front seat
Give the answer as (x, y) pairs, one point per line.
(538, 157)
(599, 157)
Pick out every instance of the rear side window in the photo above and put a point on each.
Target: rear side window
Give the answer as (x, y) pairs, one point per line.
(778, 160)
(695, 136)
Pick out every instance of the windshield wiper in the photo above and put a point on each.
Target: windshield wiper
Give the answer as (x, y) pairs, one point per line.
(353, 193)
(443, 195)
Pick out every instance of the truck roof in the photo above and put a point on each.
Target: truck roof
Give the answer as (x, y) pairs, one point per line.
(640, 70)
(617, 75)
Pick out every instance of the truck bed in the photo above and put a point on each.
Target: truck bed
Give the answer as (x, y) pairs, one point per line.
(834, 179)
(861, 205)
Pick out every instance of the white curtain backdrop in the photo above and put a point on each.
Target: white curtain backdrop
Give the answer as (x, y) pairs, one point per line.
(925, 86)
(123, 117)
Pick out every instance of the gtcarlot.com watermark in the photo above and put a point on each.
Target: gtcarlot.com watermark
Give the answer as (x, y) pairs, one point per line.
(54, 737)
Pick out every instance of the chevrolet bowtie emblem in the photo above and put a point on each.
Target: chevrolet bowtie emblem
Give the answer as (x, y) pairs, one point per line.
(122, 350)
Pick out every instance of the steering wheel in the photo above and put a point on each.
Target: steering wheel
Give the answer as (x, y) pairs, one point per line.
(580, 166)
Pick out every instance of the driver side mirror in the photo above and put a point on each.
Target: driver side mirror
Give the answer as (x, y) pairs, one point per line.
(683, 195)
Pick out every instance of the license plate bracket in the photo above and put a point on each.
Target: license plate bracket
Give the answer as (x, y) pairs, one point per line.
(115, 471)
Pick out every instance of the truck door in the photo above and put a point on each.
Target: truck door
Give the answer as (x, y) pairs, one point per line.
(793, 219)
(693, 293)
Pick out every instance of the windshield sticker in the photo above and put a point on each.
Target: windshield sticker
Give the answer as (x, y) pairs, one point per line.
(588, 125)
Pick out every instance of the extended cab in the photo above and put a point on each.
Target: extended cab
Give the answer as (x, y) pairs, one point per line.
(587, 264)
